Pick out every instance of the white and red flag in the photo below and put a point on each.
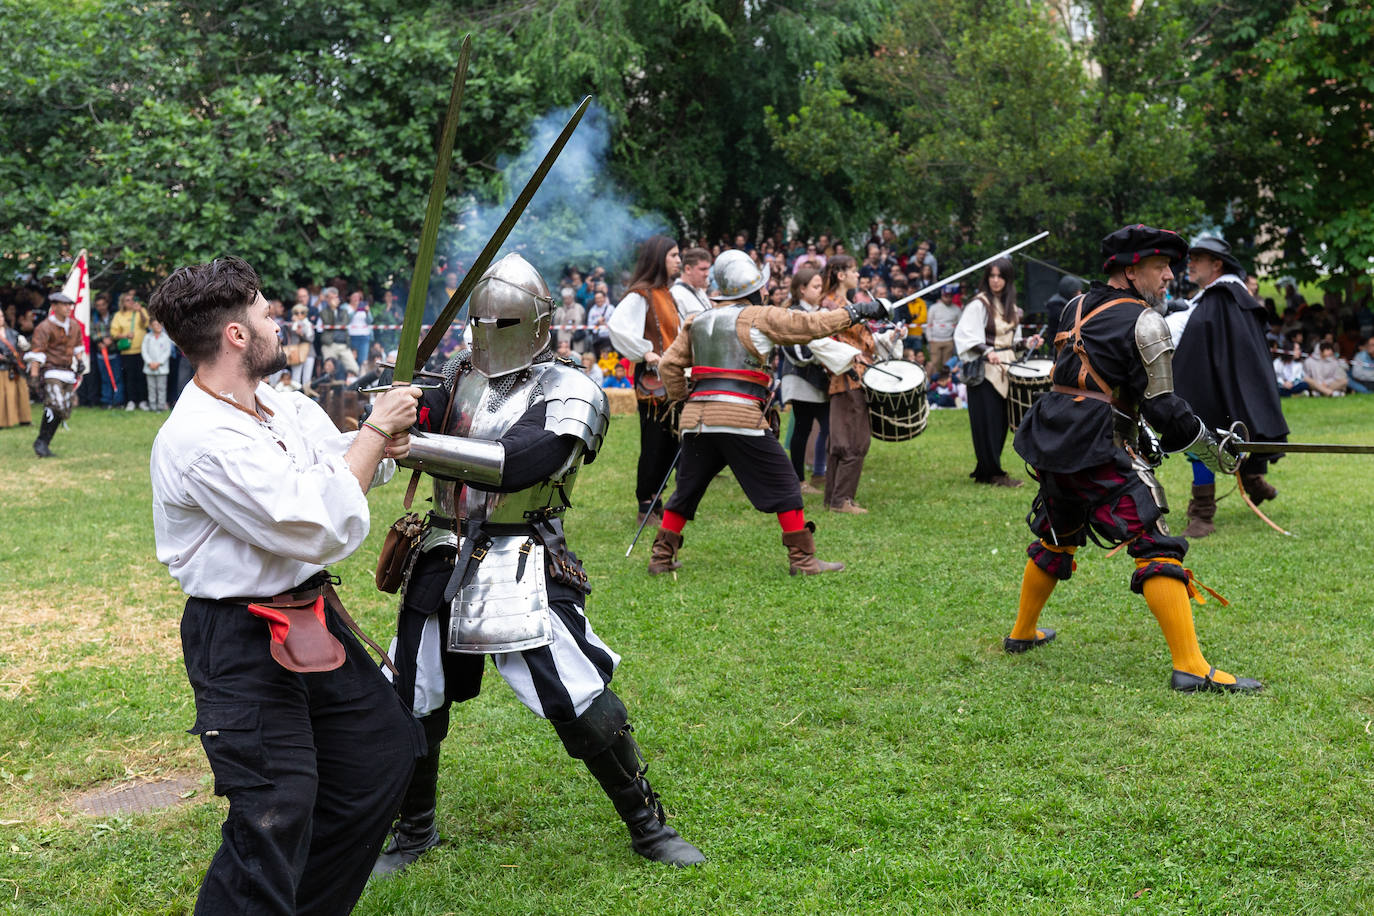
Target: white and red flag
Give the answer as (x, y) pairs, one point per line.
(78, 287)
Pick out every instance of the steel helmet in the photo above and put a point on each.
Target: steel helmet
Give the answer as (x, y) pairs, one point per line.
(510, 314)
(735, 276)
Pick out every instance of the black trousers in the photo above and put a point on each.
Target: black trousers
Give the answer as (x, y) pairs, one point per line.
(657, 449)
(758, 463)
(804, 413)
(313, 765)
(135, 385)
(987, 418)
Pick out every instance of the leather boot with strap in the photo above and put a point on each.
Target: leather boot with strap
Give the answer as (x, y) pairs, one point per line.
(663, 554)
(801, 553)
(601, 738)
(1202, 508)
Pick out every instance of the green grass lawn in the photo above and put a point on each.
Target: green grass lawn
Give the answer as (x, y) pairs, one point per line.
(850, 743)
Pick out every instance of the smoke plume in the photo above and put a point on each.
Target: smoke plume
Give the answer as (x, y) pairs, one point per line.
(579, 216)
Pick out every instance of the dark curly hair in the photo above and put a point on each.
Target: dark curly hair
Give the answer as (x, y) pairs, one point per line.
(197, 301)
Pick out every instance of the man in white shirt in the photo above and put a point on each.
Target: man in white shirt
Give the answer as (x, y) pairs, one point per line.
(941, 320)
(254, 492)
(689, 289)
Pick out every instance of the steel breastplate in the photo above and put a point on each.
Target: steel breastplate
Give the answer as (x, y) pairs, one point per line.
(482, 410)
(716, 343)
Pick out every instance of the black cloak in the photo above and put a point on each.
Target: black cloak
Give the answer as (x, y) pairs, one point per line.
(1222, 365)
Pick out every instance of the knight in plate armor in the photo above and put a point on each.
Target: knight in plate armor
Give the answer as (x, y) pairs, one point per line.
(723, 425)
(503, 440)
(1095, 461)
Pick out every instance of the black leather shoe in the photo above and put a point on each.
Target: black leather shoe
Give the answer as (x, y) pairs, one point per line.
(1190, 683)
(40, 448)
(1016, 646)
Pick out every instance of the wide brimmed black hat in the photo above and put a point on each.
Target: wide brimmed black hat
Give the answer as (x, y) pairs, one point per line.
(1133, 244)
(1219, 249)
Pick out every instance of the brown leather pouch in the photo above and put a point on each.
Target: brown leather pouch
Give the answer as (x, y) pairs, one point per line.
(300, 640)
(400, 541)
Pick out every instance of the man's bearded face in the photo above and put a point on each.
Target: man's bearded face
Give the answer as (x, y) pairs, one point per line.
(265, 356)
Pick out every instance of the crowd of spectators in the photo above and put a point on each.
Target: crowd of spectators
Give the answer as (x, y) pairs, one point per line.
(337, 335)
(1321, 349)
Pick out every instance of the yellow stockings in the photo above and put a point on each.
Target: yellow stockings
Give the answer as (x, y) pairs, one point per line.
(1036, 586)
(1169, 602)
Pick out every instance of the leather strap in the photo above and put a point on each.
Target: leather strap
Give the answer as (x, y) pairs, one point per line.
(332, 597)
(727, 385)
(1075, 334)
(1088, 393)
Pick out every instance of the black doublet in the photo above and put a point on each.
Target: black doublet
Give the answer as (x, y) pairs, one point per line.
(1064, 433)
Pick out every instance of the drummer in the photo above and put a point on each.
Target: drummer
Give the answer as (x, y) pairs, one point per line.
(849, 424)
(986, 338)
(723, 422)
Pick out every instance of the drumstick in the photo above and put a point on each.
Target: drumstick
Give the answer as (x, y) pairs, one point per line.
(876, 369)
(1020, 360)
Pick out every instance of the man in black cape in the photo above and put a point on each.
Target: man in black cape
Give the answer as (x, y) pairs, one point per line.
(1223, 369)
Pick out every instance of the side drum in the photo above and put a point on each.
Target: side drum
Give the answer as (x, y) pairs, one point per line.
(1026, 381)
(898, 407)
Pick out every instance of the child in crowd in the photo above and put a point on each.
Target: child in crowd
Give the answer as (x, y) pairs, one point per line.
(157, 355)
(945, 392)
(285, 383)
(618, 380)
(592, 370)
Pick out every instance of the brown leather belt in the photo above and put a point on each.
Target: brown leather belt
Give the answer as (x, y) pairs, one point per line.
(1087, 393)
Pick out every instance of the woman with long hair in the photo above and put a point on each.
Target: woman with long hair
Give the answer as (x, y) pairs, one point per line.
(644, 324)
(988, 331)
(849, 429)
(806, 386)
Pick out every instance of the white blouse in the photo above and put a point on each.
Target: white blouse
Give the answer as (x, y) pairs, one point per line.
(252, 507)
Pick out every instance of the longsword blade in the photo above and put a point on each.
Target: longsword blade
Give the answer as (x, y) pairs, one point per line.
(429, 232)
(1327, 448)
(498, 238)
(968, 270)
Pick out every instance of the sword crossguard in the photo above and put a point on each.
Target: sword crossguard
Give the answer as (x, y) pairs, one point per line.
(1228, 439)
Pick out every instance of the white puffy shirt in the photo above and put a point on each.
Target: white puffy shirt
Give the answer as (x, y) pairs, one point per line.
(248, 507)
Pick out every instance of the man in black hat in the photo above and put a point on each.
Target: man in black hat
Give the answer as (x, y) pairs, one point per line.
(57, 359)
(1096, 467)
(1223, 370)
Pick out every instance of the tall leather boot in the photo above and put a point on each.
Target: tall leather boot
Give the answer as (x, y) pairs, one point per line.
(601, 739)
(1202, 508)
(801, 553)
(663, 555)
(46, 430)
(416, 831)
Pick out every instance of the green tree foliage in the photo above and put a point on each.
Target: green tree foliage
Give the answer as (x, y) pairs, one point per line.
(978, 123)
(301, 135)
(1323, 65)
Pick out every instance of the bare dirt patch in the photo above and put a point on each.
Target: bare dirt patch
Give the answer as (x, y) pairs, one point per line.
(84, 627)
